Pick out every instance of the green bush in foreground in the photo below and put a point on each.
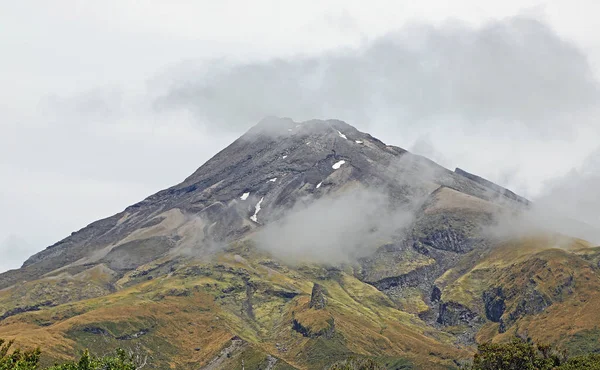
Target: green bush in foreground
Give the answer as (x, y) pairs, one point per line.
(121, 361)
(17, 359)
(515, 355)
(28, 360)
(521, 355)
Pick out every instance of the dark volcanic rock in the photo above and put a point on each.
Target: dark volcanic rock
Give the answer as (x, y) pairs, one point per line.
(452, 314)
(134, 335)
(19, 310)
(494, 302)
(532, 302)
(282, 293)
(327, 332)
(95, 330)
(317, 298)
(247, 307)
(436, 294)
(448, 240)
(417, 277)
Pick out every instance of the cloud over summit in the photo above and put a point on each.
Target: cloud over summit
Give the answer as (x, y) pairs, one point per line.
(516, 71)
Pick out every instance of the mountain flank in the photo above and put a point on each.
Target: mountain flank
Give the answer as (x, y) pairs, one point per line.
(302, 244)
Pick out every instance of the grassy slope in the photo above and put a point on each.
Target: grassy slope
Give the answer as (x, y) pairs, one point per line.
(564, 270)
(186, 318)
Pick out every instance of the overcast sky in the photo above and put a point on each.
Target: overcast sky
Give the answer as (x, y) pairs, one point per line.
(104, 103)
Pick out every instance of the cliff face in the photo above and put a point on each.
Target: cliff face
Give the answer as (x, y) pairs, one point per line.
(185, 271)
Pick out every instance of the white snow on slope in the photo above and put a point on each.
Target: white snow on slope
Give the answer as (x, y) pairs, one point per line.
(273, 179)
(319, 184)
(342, 135)
(285, 156)
(338, 164)
(256, 210)
(245, 196)
(359, 142)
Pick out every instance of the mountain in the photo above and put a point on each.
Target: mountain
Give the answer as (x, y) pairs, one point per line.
(301, 244)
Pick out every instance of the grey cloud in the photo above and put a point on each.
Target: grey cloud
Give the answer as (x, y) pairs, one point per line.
(569, 206)
(576, 196)
(424, 146)
(491, 99)
(501, 100)
(334, 229)
(508, 73)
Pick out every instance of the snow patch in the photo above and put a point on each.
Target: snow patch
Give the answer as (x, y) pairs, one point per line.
(319, 184)
(285, 156)
(308, 143)
(245, 196)
(342, 135)
(338, 164)
(359, 141)
(273, 179)
(256, 210)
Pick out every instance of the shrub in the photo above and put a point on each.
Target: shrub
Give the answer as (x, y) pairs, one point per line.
(120, 361)
(521, 355)
(357, 364)
(17, 359)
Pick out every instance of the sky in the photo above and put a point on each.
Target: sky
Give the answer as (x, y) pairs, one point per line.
(105, 103)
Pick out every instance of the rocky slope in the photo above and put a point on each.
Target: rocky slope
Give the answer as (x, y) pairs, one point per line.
(401, 264)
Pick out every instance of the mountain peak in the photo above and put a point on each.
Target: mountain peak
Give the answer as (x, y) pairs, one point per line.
(258, 179)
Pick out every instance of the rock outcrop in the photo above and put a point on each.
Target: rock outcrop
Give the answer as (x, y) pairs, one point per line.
(494, 302)
(453, 314)
(317, 297)
(327, 331)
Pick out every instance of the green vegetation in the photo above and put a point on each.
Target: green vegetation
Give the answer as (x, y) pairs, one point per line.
(121, 361)
(522, 355)
(582, 342)
(186, 315)
(29, 359)
(357, 364)
(515, 355)
(354, 363)
(17, 359)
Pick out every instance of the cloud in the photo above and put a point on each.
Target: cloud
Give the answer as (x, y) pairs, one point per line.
(511, 72)
(511, 100)
(334, 229)
(568, 205)
(575, 197)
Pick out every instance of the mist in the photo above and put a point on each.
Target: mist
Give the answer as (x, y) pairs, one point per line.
(516, 73)
(570, 204)
(335, 229)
